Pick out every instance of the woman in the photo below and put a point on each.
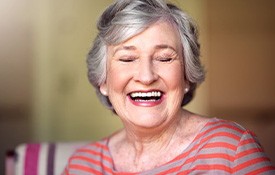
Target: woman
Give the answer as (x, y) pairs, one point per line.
(145, 66)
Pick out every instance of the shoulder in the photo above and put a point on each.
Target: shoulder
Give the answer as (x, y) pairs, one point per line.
(224, 129)
(224, 124)
(223, 134)
(230, 144)
(215, 128)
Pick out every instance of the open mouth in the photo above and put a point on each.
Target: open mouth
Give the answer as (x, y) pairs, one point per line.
(152, 96)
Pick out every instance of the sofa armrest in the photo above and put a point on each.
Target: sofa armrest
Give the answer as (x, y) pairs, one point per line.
(41, 158)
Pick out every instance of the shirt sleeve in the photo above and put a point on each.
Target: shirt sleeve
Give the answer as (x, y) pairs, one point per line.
(250, 157)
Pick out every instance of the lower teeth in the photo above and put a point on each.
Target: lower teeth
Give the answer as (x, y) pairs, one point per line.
(139, 100)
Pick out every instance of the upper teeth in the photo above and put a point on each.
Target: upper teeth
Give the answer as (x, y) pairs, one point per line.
(146, 94)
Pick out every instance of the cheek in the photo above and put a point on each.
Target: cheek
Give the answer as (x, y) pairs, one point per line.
(174, 75)
(116, 79)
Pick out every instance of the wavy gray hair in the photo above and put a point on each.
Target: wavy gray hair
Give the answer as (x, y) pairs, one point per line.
(127, 18)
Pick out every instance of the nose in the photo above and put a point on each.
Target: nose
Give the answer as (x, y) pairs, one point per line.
(146, 73)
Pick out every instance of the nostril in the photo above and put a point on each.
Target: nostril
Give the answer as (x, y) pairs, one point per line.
(146, 74)
(146, 78)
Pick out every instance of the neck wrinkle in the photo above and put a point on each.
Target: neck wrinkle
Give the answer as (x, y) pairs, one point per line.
(145, 140)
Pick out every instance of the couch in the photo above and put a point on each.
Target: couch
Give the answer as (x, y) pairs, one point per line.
(40, 158)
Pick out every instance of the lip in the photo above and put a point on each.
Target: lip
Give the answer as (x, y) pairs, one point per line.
(146, 103)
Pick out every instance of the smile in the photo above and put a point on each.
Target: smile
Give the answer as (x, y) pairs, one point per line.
(152, 96)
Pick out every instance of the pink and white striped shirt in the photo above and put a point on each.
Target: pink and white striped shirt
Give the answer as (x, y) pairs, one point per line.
(221, 147)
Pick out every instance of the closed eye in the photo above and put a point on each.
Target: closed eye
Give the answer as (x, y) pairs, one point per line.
(165, 59)
(127, 60)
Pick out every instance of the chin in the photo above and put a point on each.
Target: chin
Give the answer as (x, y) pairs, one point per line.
(147, 120)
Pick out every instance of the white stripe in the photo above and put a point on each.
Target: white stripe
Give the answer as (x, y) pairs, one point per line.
(20, 162)
(42, 158)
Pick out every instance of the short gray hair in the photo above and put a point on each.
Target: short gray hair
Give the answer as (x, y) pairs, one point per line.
(127, 18)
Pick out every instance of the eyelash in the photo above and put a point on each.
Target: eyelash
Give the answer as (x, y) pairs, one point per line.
(165, 59)
(128, 59)
(132, 59)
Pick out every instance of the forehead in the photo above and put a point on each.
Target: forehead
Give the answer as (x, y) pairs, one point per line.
(160, 35)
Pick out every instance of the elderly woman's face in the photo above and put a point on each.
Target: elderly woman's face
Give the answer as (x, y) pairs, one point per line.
(145, 77)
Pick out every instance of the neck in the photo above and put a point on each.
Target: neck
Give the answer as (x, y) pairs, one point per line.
(146, 148)
(160, 138)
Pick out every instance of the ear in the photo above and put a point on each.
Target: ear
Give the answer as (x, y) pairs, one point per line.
(103, 89)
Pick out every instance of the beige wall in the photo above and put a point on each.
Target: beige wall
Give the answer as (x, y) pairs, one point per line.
(65, 106)
(241, 55)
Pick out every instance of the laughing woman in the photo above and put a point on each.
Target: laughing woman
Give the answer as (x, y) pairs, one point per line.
(145, 67)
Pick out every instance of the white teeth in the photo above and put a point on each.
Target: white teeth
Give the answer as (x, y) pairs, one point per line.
(146, 94)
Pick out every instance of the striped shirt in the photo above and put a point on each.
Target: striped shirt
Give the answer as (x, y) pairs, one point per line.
(221, 147)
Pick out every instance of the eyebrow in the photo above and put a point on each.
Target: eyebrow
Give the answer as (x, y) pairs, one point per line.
(124, 48)
(158, 47)
(164, 46)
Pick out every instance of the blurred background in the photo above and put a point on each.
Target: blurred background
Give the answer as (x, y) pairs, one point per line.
(45, 95)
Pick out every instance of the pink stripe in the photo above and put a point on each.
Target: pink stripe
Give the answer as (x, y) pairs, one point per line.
(31, 159)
